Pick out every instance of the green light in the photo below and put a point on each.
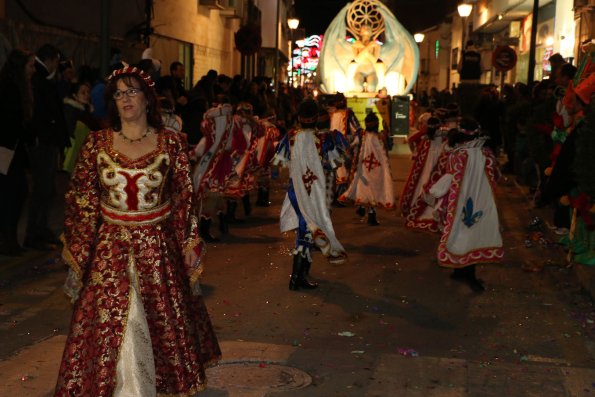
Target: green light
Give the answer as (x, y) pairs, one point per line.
(437, 48)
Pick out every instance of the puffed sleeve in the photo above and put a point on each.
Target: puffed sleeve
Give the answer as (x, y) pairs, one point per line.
(185, 223)
(81, 215)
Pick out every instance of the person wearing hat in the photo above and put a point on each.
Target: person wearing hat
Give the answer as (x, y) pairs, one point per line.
(471, 228)
(140, 326)
(304, 208)
(371, 185)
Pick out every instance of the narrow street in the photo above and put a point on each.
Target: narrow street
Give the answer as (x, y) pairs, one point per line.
(389, 322)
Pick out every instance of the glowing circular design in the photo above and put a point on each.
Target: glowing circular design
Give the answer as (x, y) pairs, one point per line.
(364, 13)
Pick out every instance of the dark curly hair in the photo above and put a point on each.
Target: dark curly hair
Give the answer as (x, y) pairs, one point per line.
(308, 113)
(154, 112)
(433, 125)
(468, 130)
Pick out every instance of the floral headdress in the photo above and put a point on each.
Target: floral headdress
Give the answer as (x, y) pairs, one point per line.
(135, 71)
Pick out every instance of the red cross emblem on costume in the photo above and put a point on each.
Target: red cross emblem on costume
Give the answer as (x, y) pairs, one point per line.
(309, 178)
(371, 162)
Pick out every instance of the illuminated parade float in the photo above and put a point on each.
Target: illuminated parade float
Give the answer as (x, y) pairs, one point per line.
(366, 49)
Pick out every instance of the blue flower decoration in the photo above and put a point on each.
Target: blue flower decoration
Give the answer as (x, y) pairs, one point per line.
(470, 218)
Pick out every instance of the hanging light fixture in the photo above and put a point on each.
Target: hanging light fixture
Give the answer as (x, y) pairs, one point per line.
(464, 9)
(293, 23)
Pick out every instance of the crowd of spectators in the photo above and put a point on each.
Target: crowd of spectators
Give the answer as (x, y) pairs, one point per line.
(52, 104)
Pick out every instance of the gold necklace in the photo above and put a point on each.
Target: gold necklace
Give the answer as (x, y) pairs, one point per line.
(124, 137)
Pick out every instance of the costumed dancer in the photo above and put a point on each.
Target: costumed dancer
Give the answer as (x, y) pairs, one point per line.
(421, 215)
(471, 232)
(265, 151)
(372, 184)
(217, 153)
(428, 147)
(304, 208)
(140, 326)
(330, 162)
(343, 120)
(239, 186)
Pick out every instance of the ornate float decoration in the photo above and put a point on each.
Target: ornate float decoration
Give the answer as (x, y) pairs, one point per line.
(365, 49)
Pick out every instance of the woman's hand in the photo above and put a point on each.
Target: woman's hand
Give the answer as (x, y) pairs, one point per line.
(190, 258)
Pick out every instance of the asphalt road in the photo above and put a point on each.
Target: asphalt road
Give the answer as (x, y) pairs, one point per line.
(389, 322)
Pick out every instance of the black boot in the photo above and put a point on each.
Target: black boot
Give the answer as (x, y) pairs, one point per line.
(230, 216)
(474, 283)
(467, 275)
(223, 226)
(204, 229)
(298, 274)
(361, 211)
(247, 205)
(372, 218)
(263, 197)
(339, 190)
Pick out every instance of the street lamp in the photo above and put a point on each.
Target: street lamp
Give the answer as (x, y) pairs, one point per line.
(293, 24)
(464, 10)
(419, 38)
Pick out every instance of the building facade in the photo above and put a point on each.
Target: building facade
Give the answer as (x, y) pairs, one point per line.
(200, 34)
(562, 25)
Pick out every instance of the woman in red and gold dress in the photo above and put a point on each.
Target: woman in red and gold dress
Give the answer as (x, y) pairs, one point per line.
(140, 326)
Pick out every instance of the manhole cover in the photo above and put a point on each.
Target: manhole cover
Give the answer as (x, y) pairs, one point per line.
(253, 376)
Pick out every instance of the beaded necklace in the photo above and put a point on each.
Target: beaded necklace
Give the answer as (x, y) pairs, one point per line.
(124, 137)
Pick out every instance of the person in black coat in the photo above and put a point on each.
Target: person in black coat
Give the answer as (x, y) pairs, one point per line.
(50, 137)
(16, 110)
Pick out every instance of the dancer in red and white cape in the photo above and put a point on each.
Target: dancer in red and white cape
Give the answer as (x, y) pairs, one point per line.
(372, 184)
(243, 180)
(429, 145)
(471, 232)
(217, 153)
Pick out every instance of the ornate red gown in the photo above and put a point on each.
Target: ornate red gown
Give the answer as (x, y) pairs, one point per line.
(137, 326)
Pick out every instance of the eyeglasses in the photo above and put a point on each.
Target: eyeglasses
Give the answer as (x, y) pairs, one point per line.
(130, 92)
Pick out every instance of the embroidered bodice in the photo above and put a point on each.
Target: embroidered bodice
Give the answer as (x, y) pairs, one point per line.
(133, 190)
(129, 189)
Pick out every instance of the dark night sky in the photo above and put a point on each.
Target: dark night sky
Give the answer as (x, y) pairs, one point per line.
(415, 15)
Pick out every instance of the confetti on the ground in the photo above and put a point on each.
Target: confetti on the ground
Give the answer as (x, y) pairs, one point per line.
(407, 352)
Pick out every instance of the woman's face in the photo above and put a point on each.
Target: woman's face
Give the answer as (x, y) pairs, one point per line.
(131, 101)
(84, 94)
